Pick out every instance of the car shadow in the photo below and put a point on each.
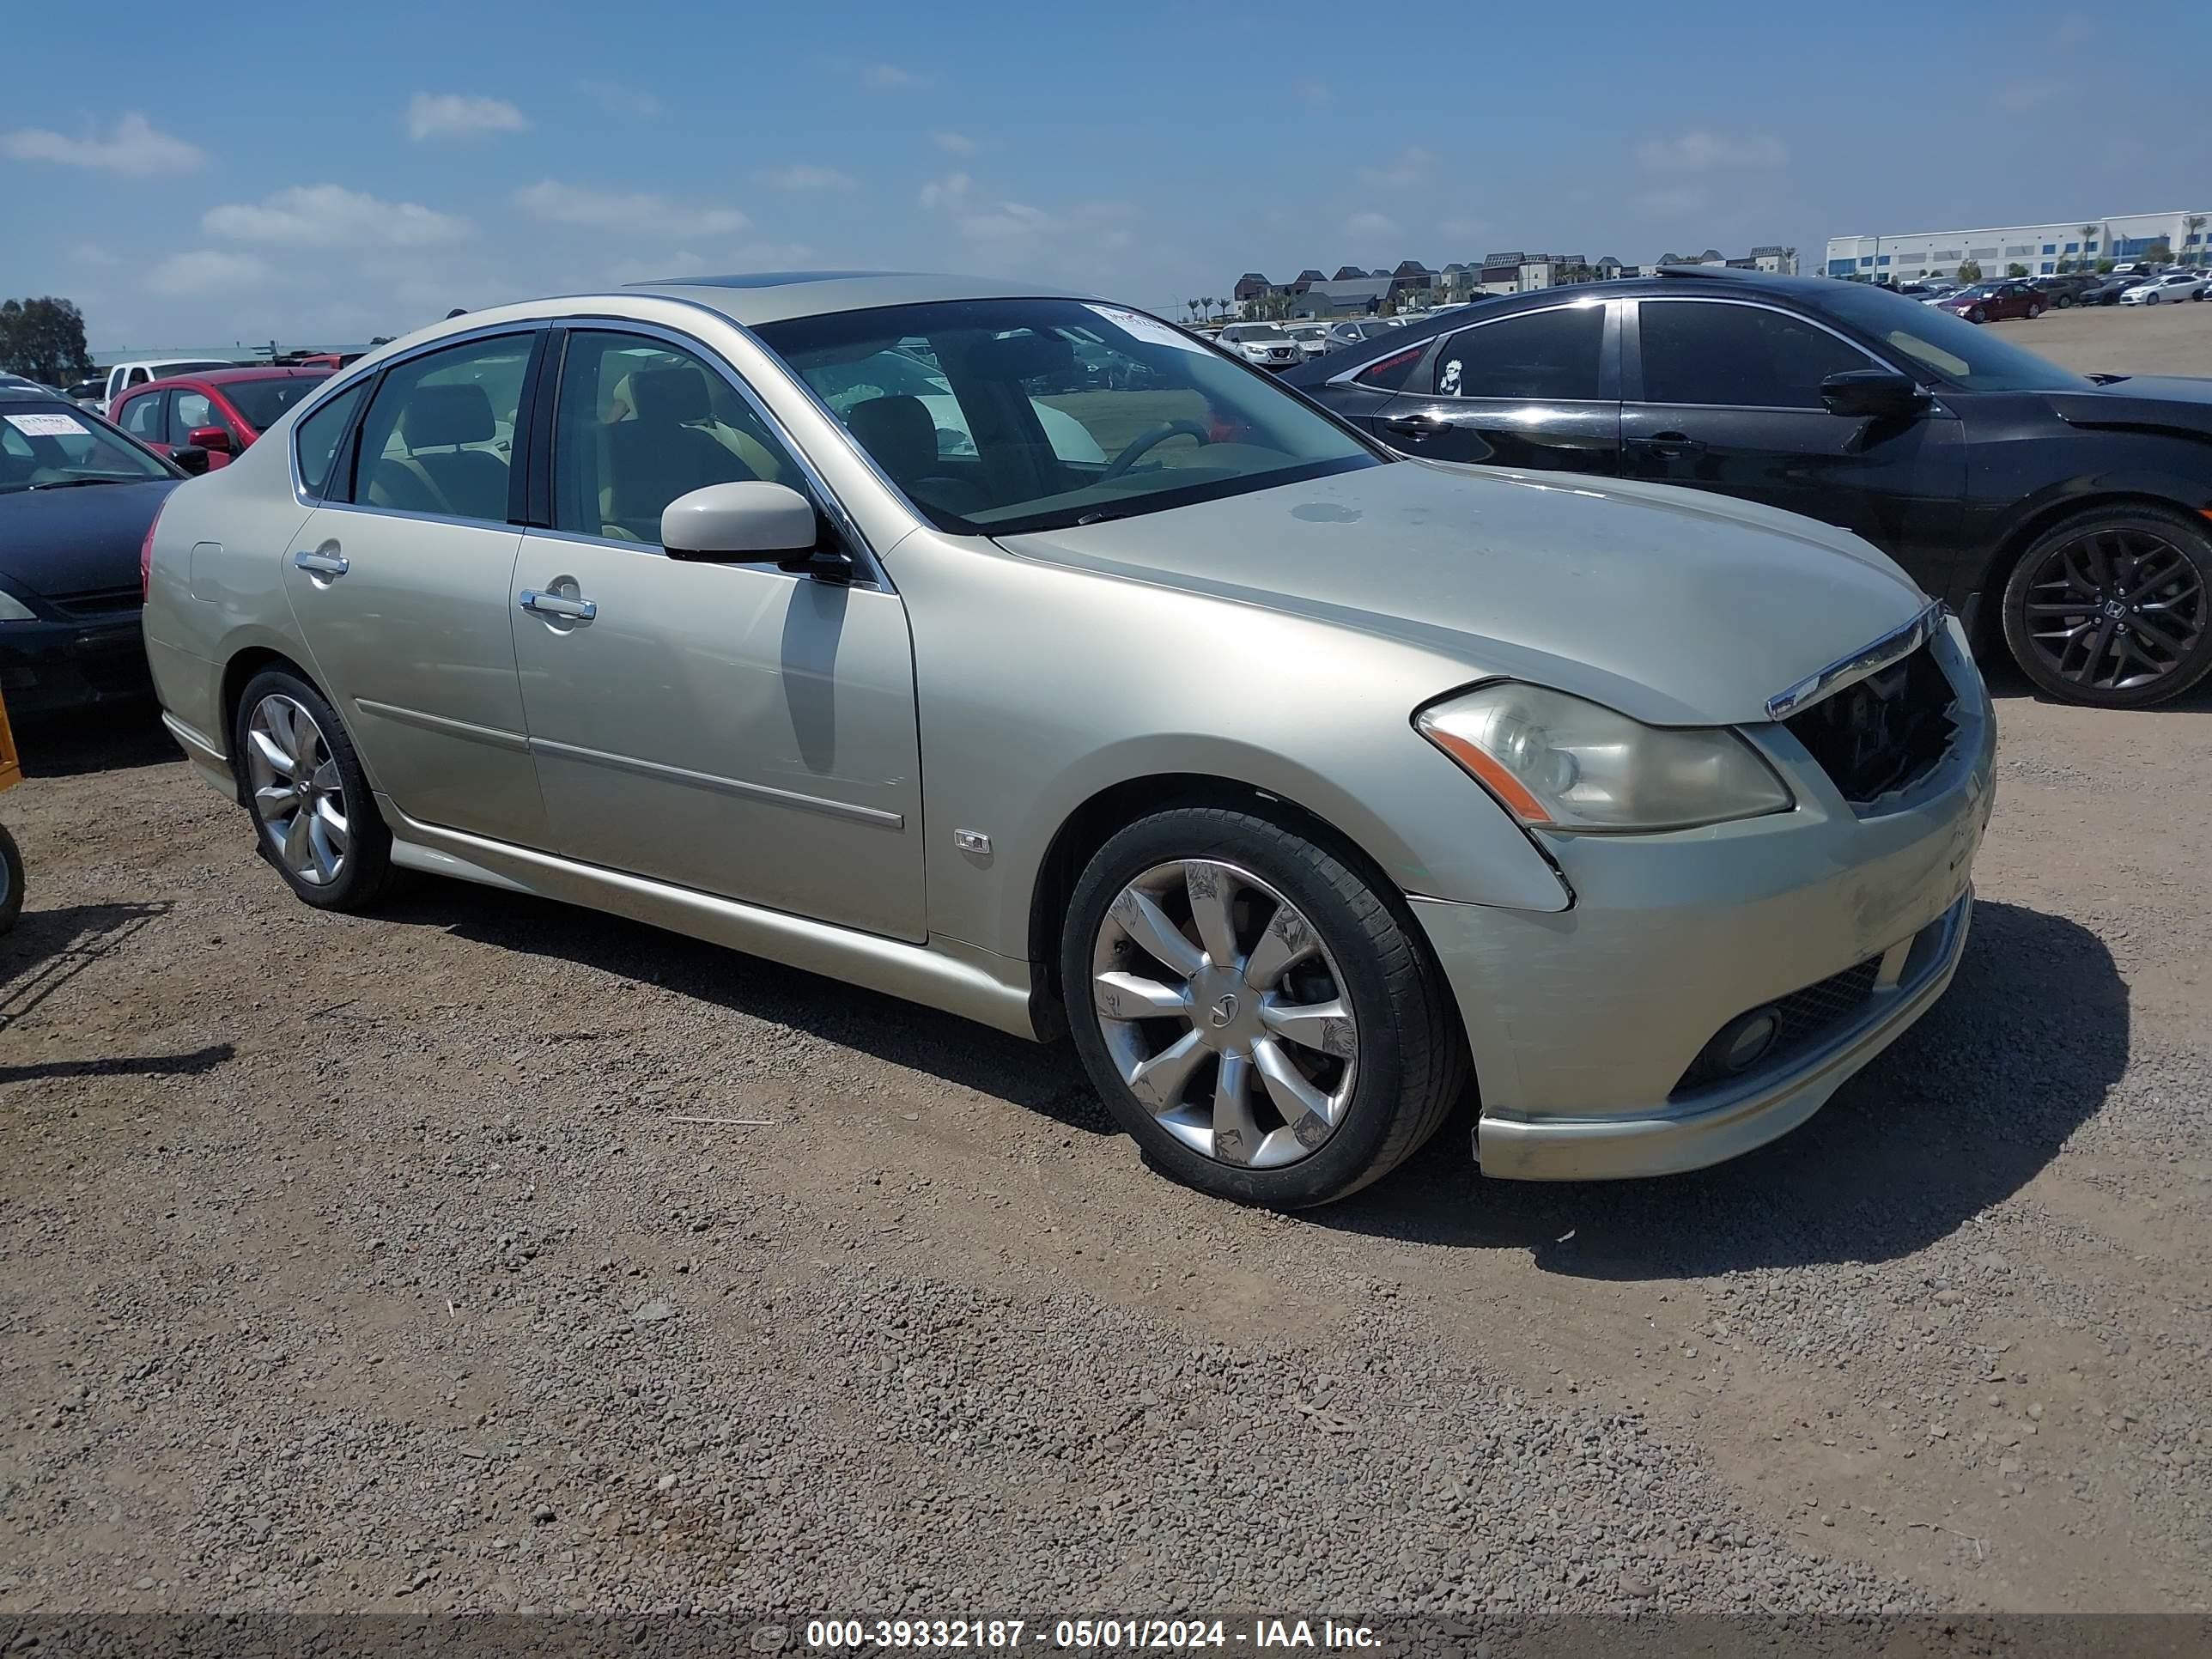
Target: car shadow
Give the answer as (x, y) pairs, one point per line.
(1044, 1078)
(99, 741)
(49, 948)
(1958, 1114)
(2007, 684)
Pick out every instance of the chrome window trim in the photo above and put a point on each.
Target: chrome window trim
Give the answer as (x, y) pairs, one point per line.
(1870, 659)
(367, 370)
(1602, 301)
(1642, 299)
(825, 497)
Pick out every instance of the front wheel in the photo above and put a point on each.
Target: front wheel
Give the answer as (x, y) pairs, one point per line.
(1977, 315)
(2113, 608)
(11, 871)
(1261, 1020)
(312, 808)
(2150, 299)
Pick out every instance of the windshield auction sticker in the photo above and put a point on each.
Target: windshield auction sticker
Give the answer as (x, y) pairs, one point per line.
(1147, 329)
(46, 426)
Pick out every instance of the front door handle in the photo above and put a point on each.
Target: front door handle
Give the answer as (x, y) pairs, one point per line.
(322, 564)
(1671, 443)
(1415, 426)
(553, 604)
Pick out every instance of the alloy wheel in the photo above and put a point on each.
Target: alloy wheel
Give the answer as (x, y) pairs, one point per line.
(1224, 1014)
(299, 796)
(2113, 610)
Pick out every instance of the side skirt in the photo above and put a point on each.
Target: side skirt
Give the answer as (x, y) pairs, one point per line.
(944, 974)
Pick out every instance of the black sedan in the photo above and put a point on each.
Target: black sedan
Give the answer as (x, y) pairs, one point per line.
(2069, 516)
(77, 499)
(2105, 291)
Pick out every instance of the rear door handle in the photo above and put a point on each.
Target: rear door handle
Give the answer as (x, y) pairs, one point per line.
(1671, 443)
(331, 564)
(552, 605)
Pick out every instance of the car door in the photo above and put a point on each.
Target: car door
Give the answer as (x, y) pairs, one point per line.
(1725, 395)
(1534, 389)
(146, 417)
(733, 728)
(191, 409)
(400, 581)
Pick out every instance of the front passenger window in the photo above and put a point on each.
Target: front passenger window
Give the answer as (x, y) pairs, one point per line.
(439, 435)
(638, 424)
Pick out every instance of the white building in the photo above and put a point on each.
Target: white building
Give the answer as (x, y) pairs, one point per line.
(1914, 254)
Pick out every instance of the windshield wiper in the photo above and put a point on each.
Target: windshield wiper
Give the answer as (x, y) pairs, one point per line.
(75, 484)
(1097, 518)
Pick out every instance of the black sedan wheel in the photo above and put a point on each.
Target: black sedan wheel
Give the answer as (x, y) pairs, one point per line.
(2111, 608)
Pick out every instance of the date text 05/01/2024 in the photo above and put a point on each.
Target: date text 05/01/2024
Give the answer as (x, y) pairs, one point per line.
(1081, 1634)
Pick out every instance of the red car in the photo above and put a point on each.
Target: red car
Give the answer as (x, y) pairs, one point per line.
(1992, 302)
(219, 410)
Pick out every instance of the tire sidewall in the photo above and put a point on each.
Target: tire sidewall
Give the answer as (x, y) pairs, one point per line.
(1272, 854)
(11, 904)
(2196, 546)
(369, 849)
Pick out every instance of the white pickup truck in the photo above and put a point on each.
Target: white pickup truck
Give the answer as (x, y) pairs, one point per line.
(123, 376)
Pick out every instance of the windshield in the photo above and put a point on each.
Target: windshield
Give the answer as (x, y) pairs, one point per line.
(46, 445)
(1260, 332)
(263, 402)
(1000, 416)
(1949, 345)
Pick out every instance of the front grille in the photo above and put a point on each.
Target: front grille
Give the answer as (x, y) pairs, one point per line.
(100, 601)
(1883, 735)
(1807, 1016)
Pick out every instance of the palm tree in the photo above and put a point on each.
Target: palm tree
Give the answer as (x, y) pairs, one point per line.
(2089, 235)
(2195, 223)
(1208, 303)
(1193, 304)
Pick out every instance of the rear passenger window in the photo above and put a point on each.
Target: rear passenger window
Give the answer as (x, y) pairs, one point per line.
(438, 437)
(639, 424)
(1548, 354)
(1390, 374)
(141, 417)
(318, 438)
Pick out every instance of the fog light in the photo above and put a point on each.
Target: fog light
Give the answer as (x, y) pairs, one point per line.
(1743, 1042)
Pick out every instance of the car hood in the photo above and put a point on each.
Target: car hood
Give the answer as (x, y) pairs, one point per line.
(2166, 402)
(1671, 605)
(58, 542)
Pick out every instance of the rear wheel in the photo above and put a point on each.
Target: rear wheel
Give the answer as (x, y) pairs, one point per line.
(1254, 1012)
(2113, 608)
(2064, 301)
(2034, 312)
(312, 806)
(11, 872)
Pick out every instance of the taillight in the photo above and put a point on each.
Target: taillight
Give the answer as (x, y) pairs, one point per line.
(146, 556)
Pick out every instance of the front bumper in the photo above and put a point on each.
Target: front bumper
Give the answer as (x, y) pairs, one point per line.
(49, 667)
(1585, 1024)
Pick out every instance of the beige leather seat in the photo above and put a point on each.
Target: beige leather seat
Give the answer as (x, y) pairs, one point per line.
(434, 474)
(660, 452)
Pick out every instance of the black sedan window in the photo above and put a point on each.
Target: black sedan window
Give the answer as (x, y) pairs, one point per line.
(50, 445)
(1550, 356)
(1949, 347)
(1702, 352)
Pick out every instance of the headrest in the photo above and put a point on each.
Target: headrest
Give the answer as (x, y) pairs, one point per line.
(440, 415)
(669, 396)
(897, 432)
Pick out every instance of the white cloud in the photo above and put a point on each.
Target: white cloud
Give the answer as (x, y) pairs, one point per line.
(330, 216)
(1709, 152)
(890, 77)
(456, 115)
(1315, 93)
(805, 175)
(136, 147)
(91, 253)
(207, 271)
(943, 192)
(1370, 224)
(617, 99)
(638, 213)
(1407, 166)
(953, 143)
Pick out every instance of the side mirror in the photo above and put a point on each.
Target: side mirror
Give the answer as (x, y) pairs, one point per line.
(748, 522)
(215, 440)
(191, 457)
(1879, 392)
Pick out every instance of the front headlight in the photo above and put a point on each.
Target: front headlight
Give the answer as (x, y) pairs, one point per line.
(1559, 762)
(13, 609)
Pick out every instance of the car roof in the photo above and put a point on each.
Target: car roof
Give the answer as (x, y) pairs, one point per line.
(234, 376)
(779, 295)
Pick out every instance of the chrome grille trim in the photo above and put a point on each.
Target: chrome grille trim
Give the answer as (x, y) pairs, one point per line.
(1871, 659)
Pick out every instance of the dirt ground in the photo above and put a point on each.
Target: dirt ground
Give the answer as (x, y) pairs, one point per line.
(2163, 339)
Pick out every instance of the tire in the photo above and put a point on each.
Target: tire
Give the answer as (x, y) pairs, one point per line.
(2064, 301)
(2034, 312)
(1977, 315)
(2061, 567)
(1391, 1072)
(11, 871)
(354, 831)
(2150, 299)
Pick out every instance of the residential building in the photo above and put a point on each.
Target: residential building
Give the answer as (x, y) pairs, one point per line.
(1908, 256)
(1354, 296)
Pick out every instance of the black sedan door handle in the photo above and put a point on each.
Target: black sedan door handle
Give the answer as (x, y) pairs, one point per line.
(1671, 443)
(1415, 426)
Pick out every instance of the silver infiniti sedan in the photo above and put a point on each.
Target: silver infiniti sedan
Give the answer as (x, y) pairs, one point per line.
(1309, 788)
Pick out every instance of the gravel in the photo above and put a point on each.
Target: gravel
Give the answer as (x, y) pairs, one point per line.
(360, 1263)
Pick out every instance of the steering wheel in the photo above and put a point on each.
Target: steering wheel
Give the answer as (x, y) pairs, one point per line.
(1149, 439)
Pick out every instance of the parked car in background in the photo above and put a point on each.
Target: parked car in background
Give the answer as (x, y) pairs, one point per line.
(2165, 287)
(1312, 337)
(2062, 290)
(1261, 344)
(89, 393)
(122, 376)
(2059, 512)
(219, 412)
(1994, 302)
(77, 500)
(926, 722)
(2105, 291)
(1352, 330)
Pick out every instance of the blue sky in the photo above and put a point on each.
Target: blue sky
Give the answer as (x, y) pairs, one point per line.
(325, 174)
